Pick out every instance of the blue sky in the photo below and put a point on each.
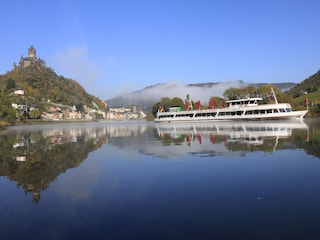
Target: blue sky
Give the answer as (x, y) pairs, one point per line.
(111, 47)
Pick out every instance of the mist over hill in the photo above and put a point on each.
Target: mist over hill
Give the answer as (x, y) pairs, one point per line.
(144, 99)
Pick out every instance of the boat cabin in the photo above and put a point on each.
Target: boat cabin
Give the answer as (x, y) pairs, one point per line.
(242, 102)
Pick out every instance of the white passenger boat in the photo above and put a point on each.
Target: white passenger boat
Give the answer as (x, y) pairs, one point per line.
(241, 109)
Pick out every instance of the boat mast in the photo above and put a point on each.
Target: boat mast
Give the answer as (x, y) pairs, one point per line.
(274, 96)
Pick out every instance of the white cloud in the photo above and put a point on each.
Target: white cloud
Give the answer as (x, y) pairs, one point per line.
(181, 90)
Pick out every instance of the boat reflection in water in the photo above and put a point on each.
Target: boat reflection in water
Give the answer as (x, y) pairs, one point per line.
(234, 136)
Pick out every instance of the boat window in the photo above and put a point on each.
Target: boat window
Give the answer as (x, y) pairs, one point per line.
(256, 112)
(199, 115)
(166, 116)
(282, 110)
(269, 111)
(288, 109)
(262, 111)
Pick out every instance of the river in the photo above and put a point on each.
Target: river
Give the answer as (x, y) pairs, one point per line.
(141, 180)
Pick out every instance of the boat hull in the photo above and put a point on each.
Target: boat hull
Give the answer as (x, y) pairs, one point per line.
(204, 116)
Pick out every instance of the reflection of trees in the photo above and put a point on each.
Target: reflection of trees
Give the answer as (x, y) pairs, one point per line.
(310, 141)
(167, 139)
(35, 159)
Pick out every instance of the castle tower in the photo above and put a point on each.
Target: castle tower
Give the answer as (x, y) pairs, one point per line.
(32, 52)
(32, 58)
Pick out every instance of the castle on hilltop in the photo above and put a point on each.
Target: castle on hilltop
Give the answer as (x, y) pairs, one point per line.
(32, 58)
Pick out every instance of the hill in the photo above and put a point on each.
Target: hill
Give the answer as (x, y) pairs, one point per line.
(308, 91)
(309, 85)
(43, 86)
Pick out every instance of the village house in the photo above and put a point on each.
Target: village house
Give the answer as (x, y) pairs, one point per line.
(124, 113)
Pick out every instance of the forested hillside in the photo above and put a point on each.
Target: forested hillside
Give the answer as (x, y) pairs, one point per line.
(42, 85)
(307, 93)
(309, 85)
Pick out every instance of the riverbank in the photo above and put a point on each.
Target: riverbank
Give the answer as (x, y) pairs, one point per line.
(4, 124)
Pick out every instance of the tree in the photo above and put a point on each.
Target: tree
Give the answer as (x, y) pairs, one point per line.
(250, 91)
(155, 108)
(177, 102)
(166, 103)
(232, 93)
(265, 90)
(34, 114)
(10, 84)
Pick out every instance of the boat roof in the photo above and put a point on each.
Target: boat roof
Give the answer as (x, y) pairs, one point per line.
(244, 100)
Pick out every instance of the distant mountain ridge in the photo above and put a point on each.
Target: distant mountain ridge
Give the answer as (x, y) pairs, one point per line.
(145, 99)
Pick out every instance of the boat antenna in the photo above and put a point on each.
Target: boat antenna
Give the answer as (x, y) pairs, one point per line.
(274, 96)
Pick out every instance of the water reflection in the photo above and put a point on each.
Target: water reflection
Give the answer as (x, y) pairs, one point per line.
(228, 137)
(33, 156)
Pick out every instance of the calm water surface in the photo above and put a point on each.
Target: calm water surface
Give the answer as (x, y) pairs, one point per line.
(254, 180)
